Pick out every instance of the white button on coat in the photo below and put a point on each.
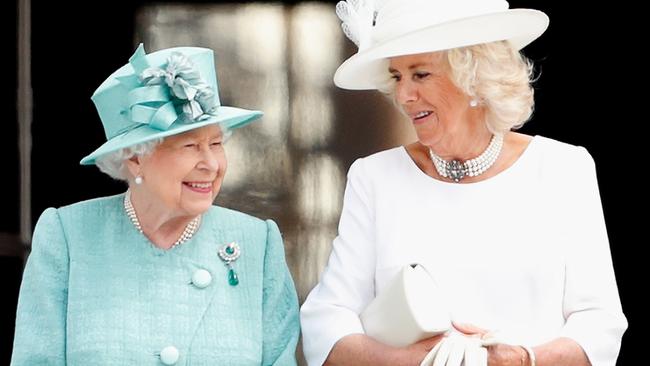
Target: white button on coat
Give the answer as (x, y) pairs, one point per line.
(201, 278)
(169, 355)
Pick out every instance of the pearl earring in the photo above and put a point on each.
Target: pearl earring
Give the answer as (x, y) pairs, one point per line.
(138, 180)
(473, 103)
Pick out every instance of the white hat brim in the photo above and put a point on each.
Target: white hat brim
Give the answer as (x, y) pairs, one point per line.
(368, 69)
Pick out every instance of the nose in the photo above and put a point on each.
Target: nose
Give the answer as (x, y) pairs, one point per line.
(405, 92)
(209, 159)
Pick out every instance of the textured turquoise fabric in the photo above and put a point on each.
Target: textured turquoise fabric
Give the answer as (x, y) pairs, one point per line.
(133, 110)
(96, 292)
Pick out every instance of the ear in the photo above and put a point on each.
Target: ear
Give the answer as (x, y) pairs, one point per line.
(134, 165)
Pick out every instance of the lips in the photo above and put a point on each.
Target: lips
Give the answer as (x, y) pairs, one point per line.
(420, 116)
(200, 187)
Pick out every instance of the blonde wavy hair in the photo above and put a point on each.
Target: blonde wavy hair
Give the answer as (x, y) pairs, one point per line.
(498, 76)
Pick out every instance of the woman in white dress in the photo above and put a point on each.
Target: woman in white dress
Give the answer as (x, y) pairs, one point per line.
(509, 225)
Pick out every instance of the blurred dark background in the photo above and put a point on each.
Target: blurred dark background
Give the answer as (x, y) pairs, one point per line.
(583, 97)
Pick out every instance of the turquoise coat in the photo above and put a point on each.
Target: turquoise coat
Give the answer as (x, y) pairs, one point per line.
(95, 291)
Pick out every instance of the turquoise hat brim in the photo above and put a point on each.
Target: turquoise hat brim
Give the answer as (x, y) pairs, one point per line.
(229, 117)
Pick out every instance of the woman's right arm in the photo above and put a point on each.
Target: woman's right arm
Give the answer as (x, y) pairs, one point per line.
(332, 330)
(331, 311)
(40, 320)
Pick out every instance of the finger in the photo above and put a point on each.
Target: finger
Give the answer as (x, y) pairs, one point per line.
(489, 339)
(469, 328)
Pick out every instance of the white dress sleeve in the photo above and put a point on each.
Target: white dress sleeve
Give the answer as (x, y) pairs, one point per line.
(331, 311)
(592, 308)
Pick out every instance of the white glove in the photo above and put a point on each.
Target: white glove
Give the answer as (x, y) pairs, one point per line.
(458, 349)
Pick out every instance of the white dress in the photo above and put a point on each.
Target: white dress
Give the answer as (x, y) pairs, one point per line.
(524, 253)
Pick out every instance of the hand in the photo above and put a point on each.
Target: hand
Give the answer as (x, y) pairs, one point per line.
(499, 354)
(506, 355)
(457, 349)
(471, 330)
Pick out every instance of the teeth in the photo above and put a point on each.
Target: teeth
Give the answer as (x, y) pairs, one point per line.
(200, 185)
(422, 114)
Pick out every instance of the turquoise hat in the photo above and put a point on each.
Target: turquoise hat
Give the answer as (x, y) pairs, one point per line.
(165, 93)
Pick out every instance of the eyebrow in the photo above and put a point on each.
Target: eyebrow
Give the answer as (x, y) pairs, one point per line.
(186, 138)
(414, 66)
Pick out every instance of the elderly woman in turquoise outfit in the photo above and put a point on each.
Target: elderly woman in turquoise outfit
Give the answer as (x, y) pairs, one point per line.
(158, 275)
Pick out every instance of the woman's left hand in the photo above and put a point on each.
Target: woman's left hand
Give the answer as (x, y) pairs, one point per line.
(499, 354)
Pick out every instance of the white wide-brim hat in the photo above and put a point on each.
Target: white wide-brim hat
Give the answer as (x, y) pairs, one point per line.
(408, 27)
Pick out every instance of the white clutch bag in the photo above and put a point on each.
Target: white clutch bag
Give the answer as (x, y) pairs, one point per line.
(411, 308)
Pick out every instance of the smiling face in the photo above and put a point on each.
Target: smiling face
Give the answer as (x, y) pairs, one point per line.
(423, 89)
(184, 173)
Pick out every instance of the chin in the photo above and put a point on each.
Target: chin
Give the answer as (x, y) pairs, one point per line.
(198, 208)
(429, 137)
(426, 140)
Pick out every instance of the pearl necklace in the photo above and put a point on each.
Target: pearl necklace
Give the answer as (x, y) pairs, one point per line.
(455, 170)
(189, 231)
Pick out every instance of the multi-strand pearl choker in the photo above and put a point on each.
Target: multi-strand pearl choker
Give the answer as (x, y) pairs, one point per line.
(456, 170)
(189, 231)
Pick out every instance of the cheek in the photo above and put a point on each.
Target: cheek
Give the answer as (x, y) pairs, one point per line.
(222, 164)
(178, 171)
(173, 173)
(441, 101)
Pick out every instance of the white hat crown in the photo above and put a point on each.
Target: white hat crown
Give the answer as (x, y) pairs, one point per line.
(398, 17)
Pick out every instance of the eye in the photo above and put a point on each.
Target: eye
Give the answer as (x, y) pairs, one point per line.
(190, 145)
(395, 77)
(421, 75)
(216, 144)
